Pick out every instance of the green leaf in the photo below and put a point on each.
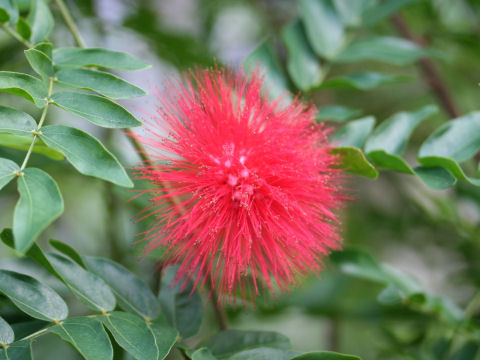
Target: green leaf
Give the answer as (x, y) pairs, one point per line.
(202, 354)
(46, 48)
(354, 133)
(182, 308)
(228, 342)
(6, 333)
(265, 353)
(165, 336)
(265, 59)
(132, 334)
(76, 57)
(353, 160)
(302, 64)
(7, 171)
(362, 81)
(24, 29)
(87, 336)
(133, 294)
(384, 10)
(325, 355)
(87, 287)
(469, 350)
(359, 264)
(13, 121)
(101, 82)
(32, 297)
(382, 159)
(67, 250)
(40, 62)
(352, 12)
(85, 153)
(323, 26)
(20, 350)
(390, 50)
(24, 142)
(437, 178)
(41, 21)
(10, 10)
(4, 16)
(96, 109)
(336, 113)
(40, 203)
(24, 85)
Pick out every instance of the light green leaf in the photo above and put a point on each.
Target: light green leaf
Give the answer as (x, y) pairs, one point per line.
(182, 308)
(359, 264)
(40, 62)
(265, 353)
(383, 10)
(354, 133)
(87, 287)
(353, 160)
(202, 354)
(20, 350)
(132, 334)
(265, 59)
(302, 64)
(13, 121)
(76, 57)
(40, 203)
(437, 178)
(165, 336)
(41, 21)
(24, 29)
(382, 159)
(32, 297)
(336, 113)
(362, 81)
(85, 153)
(325, 355)
(6, 333)
(10, 11)
(390, 50)
(87, 336)
(133, 294)
(352, 12)
(24, 85)
(7, 171)
(46, 48)
(24, 142)
(68, 251)
(101, 82)
(228, 342)
(96, 109)
(323, 26)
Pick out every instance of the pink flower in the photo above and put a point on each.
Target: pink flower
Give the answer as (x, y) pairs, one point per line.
(245, 189)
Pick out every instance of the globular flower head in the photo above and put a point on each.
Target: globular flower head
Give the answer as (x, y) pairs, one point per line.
(245, 189)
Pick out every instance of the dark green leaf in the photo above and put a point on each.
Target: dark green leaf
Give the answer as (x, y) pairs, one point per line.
(101, 82)
(203, 354)
(353, 160)
(323, 26)
(24, 29)
(182, 308)
(97, 57)
(265, 353)
(468, 351)
(8, 171)
(336, 113)
(87, 287)
(4, 16)
(24, 142)
(41, 21)
(87, 336)
(10, 10)
(302, 64)
(40, 203)
(16, 122)
(165, 336)
(40, 62)
(96, 109)
(390, 50)
(437, 178)
(265, 59)
(20, 350)
(32, 297)
(325, 355)
(384, 10)
(228, 342)
(25, 86)
(354, 133)
(382, 159)
(133, 294)
(85, 153)
(352, 12)
(6, 333)
(67, 250)
(132, 334)
(362, 81)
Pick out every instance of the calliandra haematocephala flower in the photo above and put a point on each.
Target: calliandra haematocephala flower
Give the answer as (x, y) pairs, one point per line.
(245, 191)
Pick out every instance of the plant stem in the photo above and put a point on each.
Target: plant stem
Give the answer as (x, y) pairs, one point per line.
(220, 314)
(430, 72)
(15, 35)
(72, 26)
(36, 334)
(40, 124)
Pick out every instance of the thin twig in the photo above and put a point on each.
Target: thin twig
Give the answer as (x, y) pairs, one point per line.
(72, 26)
(428, 68)
(220, 314)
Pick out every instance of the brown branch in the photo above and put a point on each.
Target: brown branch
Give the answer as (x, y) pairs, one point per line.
(428, 69)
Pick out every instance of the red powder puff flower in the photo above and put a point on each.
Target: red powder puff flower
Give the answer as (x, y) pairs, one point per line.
(245, 187)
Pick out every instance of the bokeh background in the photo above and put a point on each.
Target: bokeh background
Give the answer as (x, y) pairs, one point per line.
(431, 235)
